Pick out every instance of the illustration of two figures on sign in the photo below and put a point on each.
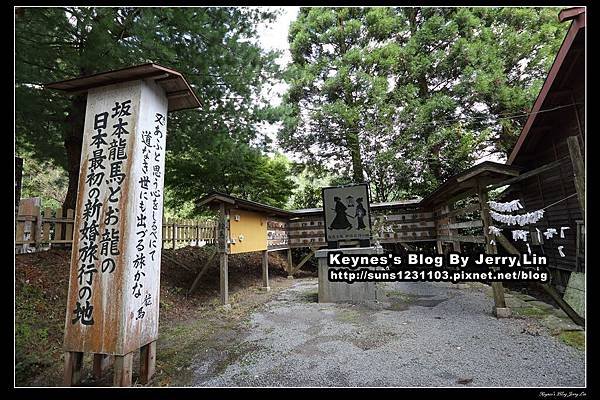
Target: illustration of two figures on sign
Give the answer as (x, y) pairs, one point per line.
(341, 214)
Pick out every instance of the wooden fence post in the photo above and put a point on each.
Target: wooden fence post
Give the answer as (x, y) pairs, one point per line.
(174, 233)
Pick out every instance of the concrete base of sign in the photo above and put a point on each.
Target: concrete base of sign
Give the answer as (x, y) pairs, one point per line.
(502, 312)
(266, 288)
(290, 277)
(342, 292)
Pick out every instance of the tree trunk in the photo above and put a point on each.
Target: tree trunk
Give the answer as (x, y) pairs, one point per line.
(353, 143)
(72, 143)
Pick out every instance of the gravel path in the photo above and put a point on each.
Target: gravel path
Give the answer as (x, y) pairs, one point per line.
(424, 334)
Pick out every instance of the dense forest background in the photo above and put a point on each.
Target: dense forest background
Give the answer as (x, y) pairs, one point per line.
(400, 97)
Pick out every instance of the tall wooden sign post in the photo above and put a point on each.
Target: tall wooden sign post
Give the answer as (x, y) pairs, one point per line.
(114, 286)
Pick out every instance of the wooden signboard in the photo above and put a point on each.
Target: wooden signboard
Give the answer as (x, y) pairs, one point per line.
(346, 213)
(114, 285)
(248, 231)
(113, 297)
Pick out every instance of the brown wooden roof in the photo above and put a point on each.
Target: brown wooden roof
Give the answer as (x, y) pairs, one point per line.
(466, 182)
(215, 198)
(568, 65)
(179, 93)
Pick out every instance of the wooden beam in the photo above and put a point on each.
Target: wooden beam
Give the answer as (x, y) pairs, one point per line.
(73, 365)
(529, 174)
(147, 362)
(304, 260)
(123, 370)
(202, 271)
(578, 170)
(406, 246)
(466, 239)
(468, 224)
(488, 168)
(508, 246)
(174, 261)
(101, 363)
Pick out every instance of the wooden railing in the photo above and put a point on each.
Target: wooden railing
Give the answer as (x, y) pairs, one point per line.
(39, 230)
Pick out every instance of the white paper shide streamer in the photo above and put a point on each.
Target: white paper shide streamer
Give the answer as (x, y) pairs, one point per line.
(494, 230)
(549, 233)
(520, 235)
(519, 219)
(506, 207)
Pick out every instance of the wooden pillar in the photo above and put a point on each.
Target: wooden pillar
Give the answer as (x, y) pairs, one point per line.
(147, 362)
(224, 279)
(73, 365)
(290, 264)
(123, 370)
(497, 287)
(224, 250)
(578, 170)
(265, 270)
(101, 363)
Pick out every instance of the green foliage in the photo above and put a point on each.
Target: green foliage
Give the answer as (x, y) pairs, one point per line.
(44, 179)
(406, 97)
(307, 197)
(217, 146)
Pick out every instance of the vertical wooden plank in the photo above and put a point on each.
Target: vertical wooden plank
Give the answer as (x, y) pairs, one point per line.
(265, 270)
(453, 232)
(174, 238)
(497, 287)
(69, 225)
(58, 226)
(578, 170)
(101, 363)
(73, 364)
(147, 362)
(37, 227)
(123, 370)
(20, 235)
(46, 225)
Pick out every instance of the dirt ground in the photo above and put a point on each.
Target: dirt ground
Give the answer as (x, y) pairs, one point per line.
(187, 323)
(419, 334)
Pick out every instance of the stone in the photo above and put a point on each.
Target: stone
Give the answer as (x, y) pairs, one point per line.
(552, 322)
(575, 292)
(542, 305)
(342, 292)
(526, 297)
(502, 312)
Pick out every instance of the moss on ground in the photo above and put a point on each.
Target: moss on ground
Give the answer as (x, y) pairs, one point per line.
(529, 312)
(573, 338)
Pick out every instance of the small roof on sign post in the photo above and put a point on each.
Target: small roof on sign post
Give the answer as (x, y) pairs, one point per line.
(179, 93)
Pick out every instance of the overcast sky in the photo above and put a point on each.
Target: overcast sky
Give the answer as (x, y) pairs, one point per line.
(274, 36)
